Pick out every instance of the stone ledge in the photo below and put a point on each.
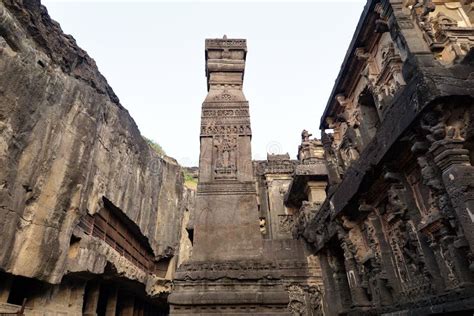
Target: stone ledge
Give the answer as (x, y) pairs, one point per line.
(228, 298)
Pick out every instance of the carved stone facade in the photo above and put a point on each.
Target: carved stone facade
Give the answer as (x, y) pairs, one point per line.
(396, 231)
(376, 217)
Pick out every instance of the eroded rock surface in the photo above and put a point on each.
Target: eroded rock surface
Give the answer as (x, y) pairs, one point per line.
(65, 143)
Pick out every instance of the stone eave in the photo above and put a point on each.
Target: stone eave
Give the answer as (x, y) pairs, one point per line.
(348, 61)
(131, 225)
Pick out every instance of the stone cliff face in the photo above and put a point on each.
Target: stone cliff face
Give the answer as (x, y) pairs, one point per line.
(65, 143)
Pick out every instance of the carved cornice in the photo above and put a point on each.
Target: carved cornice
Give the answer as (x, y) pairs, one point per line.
(219, 43)
(276, 167)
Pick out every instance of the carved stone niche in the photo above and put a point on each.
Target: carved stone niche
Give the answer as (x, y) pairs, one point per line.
(409, 261)
(390, 78)
(423, 195)
(383, 70)
(447, 27)
(225, 153)
(377, 275)
(348, 148)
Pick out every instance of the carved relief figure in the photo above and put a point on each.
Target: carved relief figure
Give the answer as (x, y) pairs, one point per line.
(285, 223)
(348, 148)
(305, 135)
(297, 304)
(225, 158)
(409, 259)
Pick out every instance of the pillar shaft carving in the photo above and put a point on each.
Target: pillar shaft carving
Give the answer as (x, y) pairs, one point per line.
(445, 128)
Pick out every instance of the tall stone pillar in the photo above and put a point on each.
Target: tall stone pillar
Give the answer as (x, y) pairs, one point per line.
(458, 176)
(227, 240)
(227, 224)
(358, 294)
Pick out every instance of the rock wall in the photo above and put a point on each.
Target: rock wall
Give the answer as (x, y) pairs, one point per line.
(66, 142)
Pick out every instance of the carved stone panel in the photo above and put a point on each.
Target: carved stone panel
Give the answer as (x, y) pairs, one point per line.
(285, 223)
(225, 165)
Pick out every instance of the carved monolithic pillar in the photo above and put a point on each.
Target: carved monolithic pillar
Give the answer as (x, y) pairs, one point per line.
(227, 225)
(226, 270)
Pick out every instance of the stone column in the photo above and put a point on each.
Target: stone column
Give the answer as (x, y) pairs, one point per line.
(341, 286)
(92, 298)
(128, 305)
(452, 195)
(139, 309)
(330, 296)
(456, 268)
(76, 295)
(385, 277)
(112, 302)
(458, 177)
(316, 191)
(5, 286)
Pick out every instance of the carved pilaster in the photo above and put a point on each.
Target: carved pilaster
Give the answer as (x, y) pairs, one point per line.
(339, 276)
(446, 130)
(381, 279)
(330, 294)
(458, 179)
(353, 271)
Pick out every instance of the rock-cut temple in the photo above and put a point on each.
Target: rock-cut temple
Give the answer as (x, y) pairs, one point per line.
(374, 217)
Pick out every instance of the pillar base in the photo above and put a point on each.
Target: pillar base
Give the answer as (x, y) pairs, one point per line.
(236, 288)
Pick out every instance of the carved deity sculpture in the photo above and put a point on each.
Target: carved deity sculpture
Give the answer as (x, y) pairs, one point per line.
(305, 135)
(348, 151)
(226, 164)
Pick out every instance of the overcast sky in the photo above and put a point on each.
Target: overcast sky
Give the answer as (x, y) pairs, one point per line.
(152, 54)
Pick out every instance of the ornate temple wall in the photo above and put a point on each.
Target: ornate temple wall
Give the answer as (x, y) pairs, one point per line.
(395, 233)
